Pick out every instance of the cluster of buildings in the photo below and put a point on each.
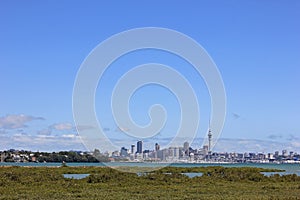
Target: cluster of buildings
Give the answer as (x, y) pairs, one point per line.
(136, 153)
(182, 154)
(187, 154)
(13, 155)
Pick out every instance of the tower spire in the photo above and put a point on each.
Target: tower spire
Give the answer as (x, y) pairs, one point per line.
(209, 138)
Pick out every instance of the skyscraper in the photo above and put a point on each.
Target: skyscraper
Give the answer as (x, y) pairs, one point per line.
(132, 148)
(124, 152)
(186, 148)
(139, 147)
(157, 147)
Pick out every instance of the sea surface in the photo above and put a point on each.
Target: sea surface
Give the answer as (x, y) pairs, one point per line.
(289, 168)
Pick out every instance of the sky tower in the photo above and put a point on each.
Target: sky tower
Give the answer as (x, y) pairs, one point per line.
(209, 139)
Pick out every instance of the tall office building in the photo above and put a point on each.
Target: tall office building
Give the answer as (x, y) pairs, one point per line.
(176, 152)
(132, 148)
(139, 147)
(186, 148)
(157, 147)
(124, 152)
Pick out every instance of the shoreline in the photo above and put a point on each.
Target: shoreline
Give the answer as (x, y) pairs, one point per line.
(145, 162)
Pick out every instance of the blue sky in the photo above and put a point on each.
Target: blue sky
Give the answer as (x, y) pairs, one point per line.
(255, 44)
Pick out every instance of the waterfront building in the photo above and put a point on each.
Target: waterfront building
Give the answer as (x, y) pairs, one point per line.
(157, 147)
(284, 153)
(132, 149)
(270, 156)
(205, 150)
(124, 152)
(186, 147)
(276, 154)
(115, 154)
(139, 147)
(176, 153)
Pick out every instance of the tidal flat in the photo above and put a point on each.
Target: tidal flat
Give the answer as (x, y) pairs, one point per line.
(166, 183)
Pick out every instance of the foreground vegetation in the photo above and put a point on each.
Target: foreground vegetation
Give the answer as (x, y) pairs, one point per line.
(166, 183)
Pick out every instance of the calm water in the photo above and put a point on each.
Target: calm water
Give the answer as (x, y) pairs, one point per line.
(188, 174)
(279, 173)
(75, 176)
(193, 174)
(289, 168)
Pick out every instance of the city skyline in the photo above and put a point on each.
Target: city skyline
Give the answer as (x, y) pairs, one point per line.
(255, 46)
(175, 154)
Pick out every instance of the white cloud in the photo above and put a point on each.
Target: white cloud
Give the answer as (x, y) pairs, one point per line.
(56, 127)
(16, 121)
(62, 126)
(45, 136)
(59, 136)
(68, 136)
(41, 142)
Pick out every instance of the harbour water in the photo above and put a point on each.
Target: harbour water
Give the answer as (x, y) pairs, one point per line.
(289, 168)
